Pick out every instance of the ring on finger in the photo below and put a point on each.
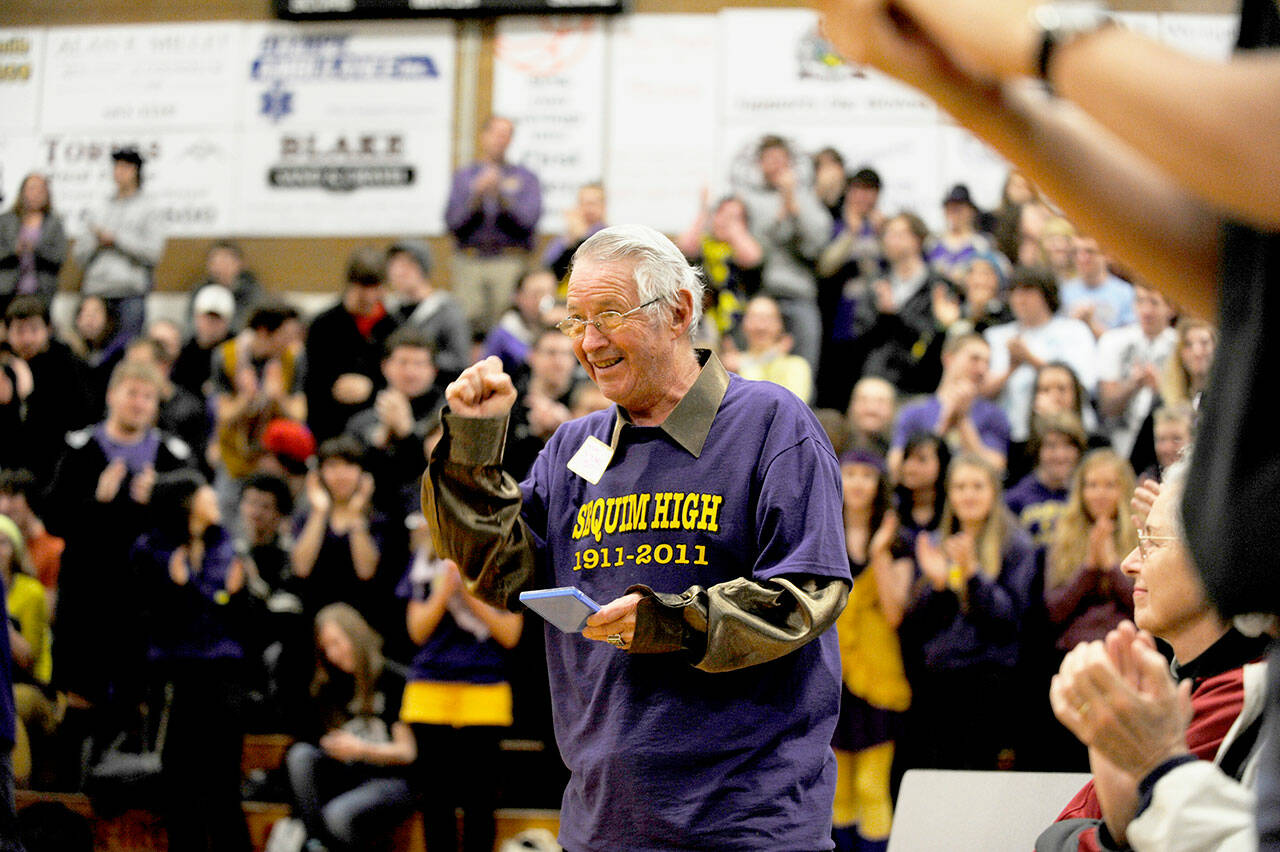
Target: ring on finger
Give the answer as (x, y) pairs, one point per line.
(616, 640)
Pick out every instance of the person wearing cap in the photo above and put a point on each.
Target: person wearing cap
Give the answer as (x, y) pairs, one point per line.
(960, 240)
(494, 207)
(792, 226)
(427, 308)
(124, 243)
(344, 347)
(210, 326)
(1034, 338)
(224, 266)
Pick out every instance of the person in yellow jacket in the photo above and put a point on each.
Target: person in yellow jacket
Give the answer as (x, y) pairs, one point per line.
(875, 689)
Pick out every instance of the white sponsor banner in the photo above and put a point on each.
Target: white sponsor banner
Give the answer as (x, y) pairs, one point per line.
(21, 72)
(779, 71)
(663, 117)
(549, 78)
(186, 175)
(348, 128)
(1206, 36)
(153, 78)
(320, 182)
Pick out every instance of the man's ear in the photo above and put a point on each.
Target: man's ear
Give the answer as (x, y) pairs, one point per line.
(682, 313)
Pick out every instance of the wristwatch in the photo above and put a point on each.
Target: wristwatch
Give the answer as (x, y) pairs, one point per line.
(1061, 23)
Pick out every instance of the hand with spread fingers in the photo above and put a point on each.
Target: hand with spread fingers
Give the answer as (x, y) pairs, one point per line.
(614, 623)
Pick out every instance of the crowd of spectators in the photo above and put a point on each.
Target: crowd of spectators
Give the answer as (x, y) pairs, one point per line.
(220, 514)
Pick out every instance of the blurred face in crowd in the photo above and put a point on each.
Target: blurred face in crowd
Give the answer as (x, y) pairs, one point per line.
(204, 507)
(495, 139)
(859, 483)
(341, 477)
(271, 344)
(1168, 598)
(91, 319)
(1059, 247)
(35, 192)
(762, 324)
(1058, 458)
(1055, 392)
(535, 295)
(774, 162)
(920, 468)
(337, 647)
(28, 337)
(552, 361)
(859, 201)
(1091, 263)
(591, 205)
(1018, 190)
(167, 335)
(410, 370)
(729, 218)
(17, 508)
(1100, 490)
(210, 329)
(404, 275)
(828, 177)
(970, 361)
(586, 399)
(971, 493)
(1197, 351)
(1172, 437)
(871, 408)
(981, 283)
(132, 405)
(125, 175)
(259, 514)
(362, 299)
(1029, 306)
(959, 217)
(1153, 310)
(224, 266)
(899, 241)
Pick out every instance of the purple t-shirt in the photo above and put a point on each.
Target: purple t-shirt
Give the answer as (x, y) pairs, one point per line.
(136, 456)
(1037, 507)
(664, 756)
(988, 418)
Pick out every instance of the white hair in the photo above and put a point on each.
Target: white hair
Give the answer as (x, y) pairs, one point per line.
(1175, 480)
(660, 269)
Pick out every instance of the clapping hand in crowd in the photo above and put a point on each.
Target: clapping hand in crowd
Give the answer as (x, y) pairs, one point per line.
(110, 480)
(1102, 545)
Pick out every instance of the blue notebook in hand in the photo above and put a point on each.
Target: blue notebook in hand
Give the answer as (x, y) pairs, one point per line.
(565, 607)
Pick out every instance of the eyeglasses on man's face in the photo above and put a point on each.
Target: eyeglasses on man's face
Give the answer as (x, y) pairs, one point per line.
(606, 322)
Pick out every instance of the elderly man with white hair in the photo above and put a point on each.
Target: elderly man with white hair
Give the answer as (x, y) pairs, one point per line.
(695, 710)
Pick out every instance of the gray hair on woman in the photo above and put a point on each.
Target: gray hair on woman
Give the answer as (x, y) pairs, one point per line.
(660, 269)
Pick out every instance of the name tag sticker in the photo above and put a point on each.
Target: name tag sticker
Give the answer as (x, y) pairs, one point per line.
(591, 460)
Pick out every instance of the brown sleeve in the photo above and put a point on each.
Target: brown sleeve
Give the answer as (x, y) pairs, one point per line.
(739, 623)
(473, 508)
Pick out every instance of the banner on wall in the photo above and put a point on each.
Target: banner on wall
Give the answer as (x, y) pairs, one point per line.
(779, 72)
(185, 175)
(663, 118)
(152, 77)
(348, 129)
(548, 77)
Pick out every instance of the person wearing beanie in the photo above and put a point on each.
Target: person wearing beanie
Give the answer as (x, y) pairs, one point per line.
(124, 243)
(432, 311)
